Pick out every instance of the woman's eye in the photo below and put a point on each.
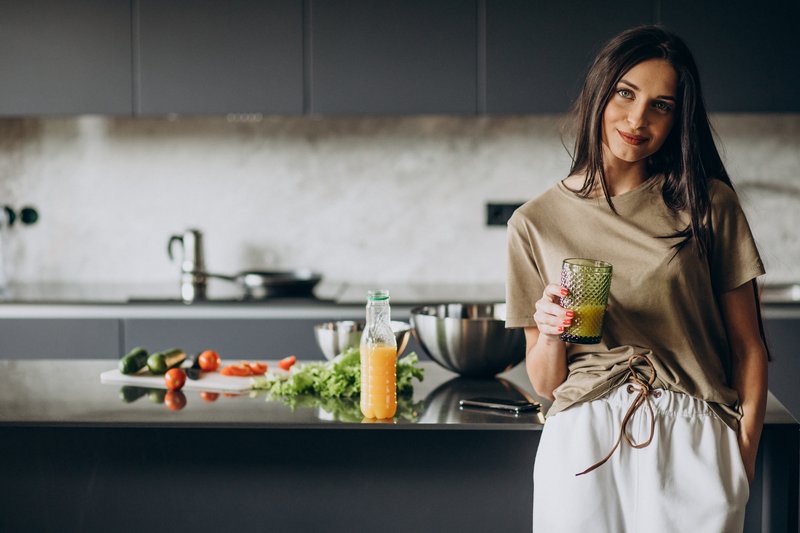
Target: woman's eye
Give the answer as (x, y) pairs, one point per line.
(625, 93)
(663, 106)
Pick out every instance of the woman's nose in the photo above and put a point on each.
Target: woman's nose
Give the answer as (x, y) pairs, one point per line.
(637, 116)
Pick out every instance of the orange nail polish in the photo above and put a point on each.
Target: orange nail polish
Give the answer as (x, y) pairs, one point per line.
(564, 292)
(560, 329)
(570, 314)
(567, 322)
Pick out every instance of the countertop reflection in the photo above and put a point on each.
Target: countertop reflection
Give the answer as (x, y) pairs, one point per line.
(69, 393)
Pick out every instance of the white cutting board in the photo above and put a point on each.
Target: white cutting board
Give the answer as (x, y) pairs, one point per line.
(209, 381)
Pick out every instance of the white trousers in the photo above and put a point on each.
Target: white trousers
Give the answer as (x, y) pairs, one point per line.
(690, 478)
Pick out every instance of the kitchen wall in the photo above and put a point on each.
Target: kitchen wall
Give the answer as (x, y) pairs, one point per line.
(359, 199)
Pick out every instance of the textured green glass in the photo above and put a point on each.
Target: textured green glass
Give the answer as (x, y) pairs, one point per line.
(588, 282)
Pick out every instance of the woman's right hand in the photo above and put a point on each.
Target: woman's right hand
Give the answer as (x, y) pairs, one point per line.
(550, 317)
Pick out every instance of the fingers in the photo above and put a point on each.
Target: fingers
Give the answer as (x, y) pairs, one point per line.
(550, 317)
(554, 292)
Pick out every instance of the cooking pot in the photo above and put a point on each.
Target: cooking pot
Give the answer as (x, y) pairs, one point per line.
(261, 284)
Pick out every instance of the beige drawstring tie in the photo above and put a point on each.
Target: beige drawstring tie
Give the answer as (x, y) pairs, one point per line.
(645, 391)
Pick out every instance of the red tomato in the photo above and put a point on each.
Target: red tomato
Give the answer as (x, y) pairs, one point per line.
(236, 370)
(175, 400)
(287, 362)
(209, 396)
(209, 360)
(175, 378)
(258, 369)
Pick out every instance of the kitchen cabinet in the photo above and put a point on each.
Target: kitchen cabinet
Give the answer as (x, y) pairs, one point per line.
(211, 57)
(390, 57)
(59, 338)
(235, 338)
(783, 336)
(81, 449)
(239, 338)
(365, 57)
(744, 50)
(65, 57)
(537, 53)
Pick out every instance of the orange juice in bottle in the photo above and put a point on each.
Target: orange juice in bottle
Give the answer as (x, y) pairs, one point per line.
(378, 359)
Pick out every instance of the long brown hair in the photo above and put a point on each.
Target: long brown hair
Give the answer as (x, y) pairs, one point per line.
(688, 158)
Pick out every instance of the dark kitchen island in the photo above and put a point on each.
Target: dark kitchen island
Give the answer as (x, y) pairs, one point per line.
(80, 455)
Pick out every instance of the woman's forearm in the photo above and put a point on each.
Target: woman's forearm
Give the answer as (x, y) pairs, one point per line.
(750, 381)
(546, 362)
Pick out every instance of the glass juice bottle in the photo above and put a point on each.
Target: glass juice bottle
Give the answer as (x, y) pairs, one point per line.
(378, 359)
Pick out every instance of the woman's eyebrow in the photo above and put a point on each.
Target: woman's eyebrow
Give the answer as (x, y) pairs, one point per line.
(635, 88)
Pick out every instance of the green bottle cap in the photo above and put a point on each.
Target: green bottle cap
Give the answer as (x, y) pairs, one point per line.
(378, 295)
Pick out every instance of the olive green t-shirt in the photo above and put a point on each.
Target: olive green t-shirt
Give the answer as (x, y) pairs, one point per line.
(662, 304)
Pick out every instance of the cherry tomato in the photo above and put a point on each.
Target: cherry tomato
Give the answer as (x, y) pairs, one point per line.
(236, 370)
(287, 362)
(209, 360)
(175, 400)
(209, 396)
(175, 378)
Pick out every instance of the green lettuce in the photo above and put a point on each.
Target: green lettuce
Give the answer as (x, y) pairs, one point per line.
(336, 379)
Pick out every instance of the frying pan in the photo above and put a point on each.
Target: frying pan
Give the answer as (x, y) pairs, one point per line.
(262, 284)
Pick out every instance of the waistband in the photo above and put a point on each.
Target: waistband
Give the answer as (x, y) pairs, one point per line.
(640, 387)
(664, 402)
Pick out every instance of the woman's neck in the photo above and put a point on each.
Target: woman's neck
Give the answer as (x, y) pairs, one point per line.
(623, 176)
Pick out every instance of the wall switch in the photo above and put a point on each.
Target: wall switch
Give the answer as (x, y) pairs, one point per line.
(498, 214)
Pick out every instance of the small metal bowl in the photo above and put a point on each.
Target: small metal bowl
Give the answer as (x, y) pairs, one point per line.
(335, 337)
(470, 339)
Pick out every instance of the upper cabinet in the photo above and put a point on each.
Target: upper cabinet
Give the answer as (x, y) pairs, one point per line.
(537, 53)
(363, 57)
(60, 57)
(393, 57)
(217, 57)
(746, 51)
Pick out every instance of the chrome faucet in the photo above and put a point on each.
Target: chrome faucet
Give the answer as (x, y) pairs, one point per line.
(194, 280)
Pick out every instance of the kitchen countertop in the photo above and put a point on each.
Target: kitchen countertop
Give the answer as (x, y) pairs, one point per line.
(68, 393)
(334, 300)
(225, 293)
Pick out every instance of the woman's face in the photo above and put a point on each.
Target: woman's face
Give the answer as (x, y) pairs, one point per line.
(640, 112)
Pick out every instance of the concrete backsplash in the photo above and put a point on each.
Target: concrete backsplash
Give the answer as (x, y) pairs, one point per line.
(358, 199)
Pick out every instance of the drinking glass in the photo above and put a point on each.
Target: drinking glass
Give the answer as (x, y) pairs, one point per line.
(588, 282)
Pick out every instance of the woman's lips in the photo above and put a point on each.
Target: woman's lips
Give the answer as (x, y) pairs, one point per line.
(635, 140)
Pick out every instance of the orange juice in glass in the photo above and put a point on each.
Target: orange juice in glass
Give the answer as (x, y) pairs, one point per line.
(378, 359)
(588, 282)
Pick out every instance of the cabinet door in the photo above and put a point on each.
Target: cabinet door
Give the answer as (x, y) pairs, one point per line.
(782, 336)
(393, 57)
(746, 51)
(237, 339)
(537, 53)
(59, 338)
(210, 57)
(61, 57)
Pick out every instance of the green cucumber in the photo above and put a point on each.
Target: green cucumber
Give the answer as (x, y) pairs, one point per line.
(160, 362)
(133, 361)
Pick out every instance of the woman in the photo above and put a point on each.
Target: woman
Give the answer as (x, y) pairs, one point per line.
(660, 420)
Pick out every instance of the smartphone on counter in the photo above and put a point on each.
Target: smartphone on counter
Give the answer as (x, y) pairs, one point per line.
(514, 406)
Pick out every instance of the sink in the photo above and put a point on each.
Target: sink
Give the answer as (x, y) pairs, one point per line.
(782, 293)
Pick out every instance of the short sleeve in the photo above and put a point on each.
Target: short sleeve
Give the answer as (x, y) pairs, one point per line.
(524, 284)
(734, 256)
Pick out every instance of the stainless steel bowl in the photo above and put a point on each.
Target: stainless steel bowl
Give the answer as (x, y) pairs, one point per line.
(470, 339)
(335, 337)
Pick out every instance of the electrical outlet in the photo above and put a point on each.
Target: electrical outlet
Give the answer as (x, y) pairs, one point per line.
(498, 214)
